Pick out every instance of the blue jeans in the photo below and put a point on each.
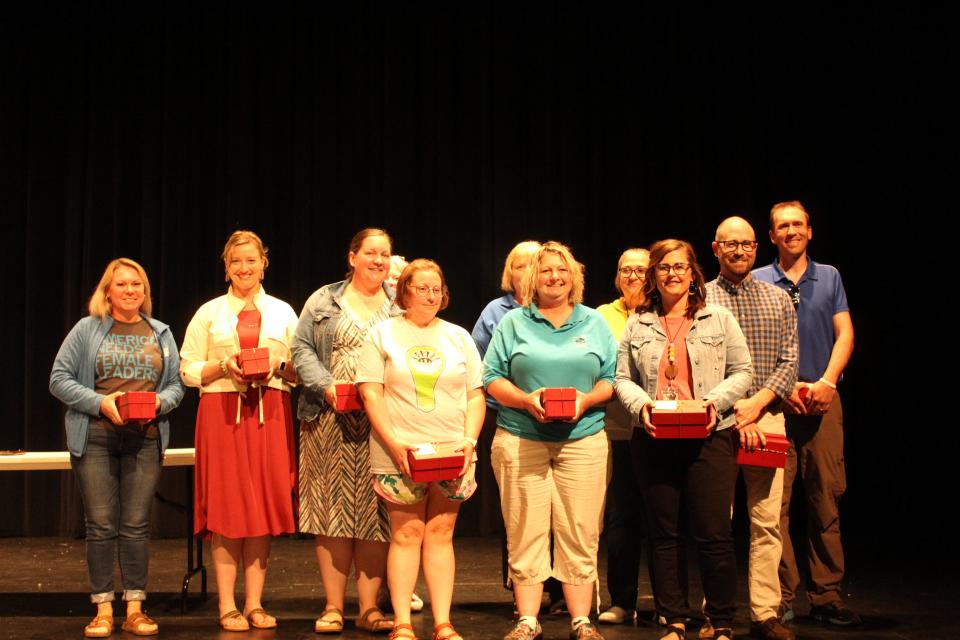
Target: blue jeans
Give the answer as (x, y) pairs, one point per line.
(117, 475)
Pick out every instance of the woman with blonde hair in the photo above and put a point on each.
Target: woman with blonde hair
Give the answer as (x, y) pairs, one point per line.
(245, 464)
(552, 473)
(118, 348)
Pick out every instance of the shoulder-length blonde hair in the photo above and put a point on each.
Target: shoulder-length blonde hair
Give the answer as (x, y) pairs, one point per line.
(99, 304)
(420, 264)
(529, 293)
(238, 237)
(519, 249)
(698, 292)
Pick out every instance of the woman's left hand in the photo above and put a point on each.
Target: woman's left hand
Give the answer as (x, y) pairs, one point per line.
(467, 447)
(578, 408)
(712, 415)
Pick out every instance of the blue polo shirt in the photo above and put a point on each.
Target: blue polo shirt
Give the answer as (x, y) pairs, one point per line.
(529, 351)
(486, 324)
(821, 297)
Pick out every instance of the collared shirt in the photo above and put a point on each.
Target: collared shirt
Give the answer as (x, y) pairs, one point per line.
(822, 296)
(769, 323)
(486, 324)
(212, 335)
(530, 352)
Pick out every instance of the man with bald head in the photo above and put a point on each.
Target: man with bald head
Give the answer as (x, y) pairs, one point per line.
(769, 323)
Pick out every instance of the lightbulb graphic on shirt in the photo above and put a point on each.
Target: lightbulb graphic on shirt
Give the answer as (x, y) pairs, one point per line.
(425, 364)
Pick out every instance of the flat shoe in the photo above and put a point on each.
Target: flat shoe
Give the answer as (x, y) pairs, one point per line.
(99, 627)
(449, 636)
(380, 625)
(234, 621)
(325, 625)
(140, 624)
(267, 621)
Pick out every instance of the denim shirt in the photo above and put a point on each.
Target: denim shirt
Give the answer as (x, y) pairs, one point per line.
(719, 361)
(313, 345)
(73, 378)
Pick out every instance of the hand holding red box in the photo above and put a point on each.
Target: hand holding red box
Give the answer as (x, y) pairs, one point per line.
(559, 403)
(347, 398)
(435, 461)
(254, 363)
(772, 455)
(680, 419)
(137, 406)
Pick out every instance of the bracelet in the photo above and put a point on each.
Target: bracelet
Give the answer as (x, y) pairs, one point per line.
(472, 441)
(828, 383)
(223, 366)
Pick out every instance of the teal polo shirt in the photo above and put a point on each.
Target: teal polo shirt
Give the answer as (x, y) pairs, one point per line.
(530, 352)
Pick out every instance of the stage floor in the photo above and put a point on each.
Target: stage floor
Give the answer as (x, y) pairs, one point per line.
(43, 595)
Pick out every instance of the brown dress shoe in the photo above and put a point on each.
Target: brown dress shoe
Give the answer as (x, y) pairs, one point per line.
(771, 629)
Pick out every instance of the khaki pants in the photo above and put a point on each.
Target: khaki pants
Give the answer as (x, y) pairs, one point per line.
(558, 486)
(764, 495)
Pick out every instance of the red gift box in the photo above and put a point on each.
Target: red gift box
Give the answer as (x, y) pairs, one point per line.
(773, 454)
(680, 419)
(435, 461)
(559, 403)
(254, 363)
(348, 399)
(139, 406)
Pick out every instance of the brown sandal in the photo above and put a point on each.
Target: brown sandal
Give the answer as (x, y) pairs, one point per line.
(136, 622)
(445, 625)
(326, 625)
(234, 621)
(380, 625)
(402, 631)
(99, 627)
(267, 621)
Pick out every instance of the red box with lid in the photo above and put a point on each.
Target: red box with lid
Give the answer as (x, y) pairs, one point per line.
(772, 455)
(137, 406)
(348, 398)
(559, 403)
(254, 363)
(435, 461)
(679, 419)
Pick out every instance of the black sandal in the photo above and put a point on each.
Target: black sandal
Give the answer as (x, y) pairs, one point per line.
(675, 630)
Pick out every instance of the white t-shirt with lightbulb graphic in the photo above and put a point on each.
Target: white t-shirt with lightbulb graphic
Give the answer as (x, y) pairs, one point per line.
(426, 373)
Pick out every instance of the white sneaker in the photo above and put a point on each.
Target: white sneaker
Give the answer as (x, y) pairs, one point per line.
(416, 603)
(617, 615)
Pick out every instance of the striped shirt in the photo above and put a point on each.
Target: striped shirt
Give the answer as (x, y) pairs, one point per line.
(769, 322)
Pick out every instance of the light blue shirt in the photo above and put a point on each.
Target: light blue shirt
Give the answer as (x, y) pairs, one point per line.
(530, 352)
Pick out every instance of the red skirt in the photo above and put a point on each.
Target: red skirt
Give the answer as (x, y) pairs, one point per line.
(245, 476)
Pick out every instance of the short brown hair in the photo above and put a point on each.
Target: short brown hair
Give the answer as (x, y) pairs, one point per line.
(421, 264)
(796, 204)
(100, 306)
(529, 293)
(238, 237)
(698, 292)
(357, 241)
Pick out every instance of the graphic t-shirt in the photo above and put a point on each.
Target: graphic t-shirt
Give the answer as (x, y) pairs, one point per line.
(426, 373)
(129, 359)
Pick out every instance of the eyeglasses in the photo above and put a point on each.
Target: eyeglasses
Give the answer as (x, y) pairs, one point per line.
(749, 246)
(679, 268)
(794, 292)
(626, 272)
(422, 290)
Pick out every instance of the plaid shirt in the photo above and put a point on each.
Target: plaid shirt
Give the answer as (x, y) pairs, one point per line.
(769, 322)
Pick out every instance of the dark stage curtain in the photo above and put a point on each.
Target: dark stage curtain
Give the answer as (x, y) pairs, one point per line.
(152, 130)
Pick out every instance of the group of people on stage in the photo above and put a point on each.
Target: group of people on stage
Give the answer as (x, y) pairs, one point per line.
(764, 349)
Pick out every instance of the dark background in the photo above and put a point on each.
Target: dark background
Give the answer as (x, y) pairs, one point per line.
(152, 130)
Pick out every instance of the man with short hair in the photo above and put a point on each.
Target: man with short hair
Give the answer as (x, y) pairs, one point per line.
(769, 323)
(815, 429)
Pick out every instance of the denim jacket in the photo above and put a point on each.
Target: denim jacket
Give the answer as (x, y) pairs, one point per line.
(719, 361)
(313, 345)
(73, 378)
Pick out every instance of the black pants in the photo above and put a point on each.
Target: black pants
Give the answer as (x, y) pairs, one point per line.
(704, 474)
(624, 527)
